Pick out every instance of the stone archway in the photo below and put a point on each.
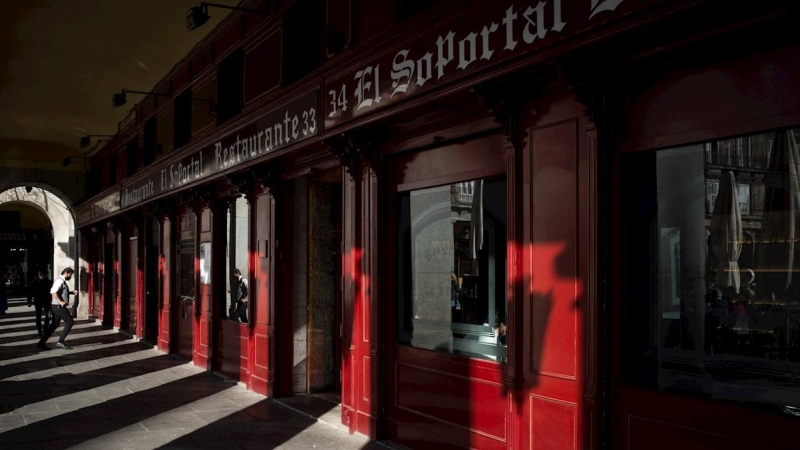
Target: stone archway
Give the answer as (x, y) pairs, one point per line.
(62, 219)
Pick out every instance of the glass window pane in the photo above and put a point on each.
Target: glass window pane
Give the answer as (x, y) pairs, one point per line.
(452, 268)
(712, 288)
(237, 260)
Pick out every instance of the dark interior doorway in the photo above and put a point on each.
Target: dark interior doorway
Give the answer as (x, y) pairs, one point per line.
(185, 298)
(152, 250)
(109, 292)
(324, 293)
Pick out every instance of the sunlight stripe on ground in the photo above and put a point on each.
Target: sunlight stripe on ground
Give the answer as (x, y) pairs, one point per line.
(87, 366)
(29, 322)
(208, 406)
(59, 406)
(4, 334)
(55, 353)
(54, 338)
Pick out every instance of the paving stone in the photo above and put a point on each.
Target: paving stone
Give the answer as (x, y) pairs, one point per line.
(113, 393)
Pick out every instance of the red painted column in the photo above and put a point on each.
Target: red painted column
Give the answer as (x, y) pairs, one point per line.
(350, 285)
(140, 262)
(118, 276)
(261, 362)
(202, 304)
(165, 293)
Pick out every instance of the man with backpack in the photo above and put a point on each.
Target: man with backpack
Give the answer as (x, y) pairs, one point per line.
(59, 306)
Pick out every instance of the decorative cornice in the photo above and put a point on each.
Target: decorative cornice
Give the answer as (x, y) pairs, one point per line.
(593, 84)
(354, 152)
(265, 179)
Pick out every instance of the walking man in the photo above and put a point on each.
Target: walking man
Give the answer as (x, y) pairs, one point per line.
(40, 294)
(59, 306)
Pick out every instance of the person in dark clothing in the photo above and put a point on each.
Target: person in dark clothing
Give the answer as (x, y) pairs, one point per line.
(3, 291)
(59, 306)
(239, 297)
(40, 294)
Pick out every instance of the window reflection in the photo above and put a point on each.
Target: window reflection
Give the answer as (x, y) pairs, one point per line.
(712, 257)
(452, 268)
(236, 261)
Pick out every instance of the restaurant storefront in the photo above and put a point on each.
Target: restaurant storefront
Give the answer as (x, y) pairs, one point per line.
(510, 225)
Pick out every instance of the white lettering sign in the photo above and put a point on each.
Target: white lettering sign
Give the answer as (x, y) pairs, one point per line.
(525, 25)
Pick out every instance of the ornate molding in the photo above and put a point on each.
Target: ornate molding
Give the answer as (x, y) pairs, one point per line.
(504, 104)
(265, 179)
(595, 85)
(354, 153)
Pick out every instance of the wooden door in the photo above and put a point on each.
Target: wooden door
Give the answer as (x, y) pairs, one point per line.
(97, 276)
(183, 303)
(131, 285)
(152, 250)
(553, 279)
(109, 285)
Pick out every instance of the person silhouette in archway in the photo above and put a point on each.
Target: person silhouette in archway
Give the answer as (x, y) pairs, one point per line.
(3, 292)
(40, 294)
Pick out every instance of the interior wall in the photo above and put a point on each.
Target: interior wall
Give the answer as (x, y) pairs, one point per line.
(322, 288)
(300, 287)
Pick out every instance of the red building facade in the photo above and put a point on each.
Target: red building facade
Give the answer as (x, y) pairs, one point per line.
(481, 224)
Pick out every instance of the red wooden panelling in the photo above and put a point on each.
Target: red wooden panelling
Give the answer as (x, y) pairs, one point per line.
(263, 66)
(554, 285)
(551, 423)
(203, 60)
(253, 21)
(234, 348)
(701, 104)
(165, 291)
(118, 292)
(473, 159)
(202, 305)
(262, 367)
(339, 21)
(440, 395)
(228, 39)
(553, 274)
(647, 434)
(181, 79)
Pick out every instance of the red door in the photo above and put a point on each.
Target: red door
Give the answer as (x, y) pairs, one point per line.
(553, 283)
(131, 285)
(183, 304)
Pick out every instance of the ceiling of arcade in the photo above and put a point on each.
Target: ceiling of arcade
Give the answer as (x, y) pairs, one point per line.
(61, 61)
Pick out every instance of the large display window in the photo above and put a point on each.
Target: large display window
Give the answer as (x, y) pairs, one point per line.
(237, 222)
(452, 268)
(712, 259)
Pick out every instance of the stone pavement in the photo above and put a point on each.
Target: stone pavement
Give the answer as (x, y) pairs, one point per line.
(111, 392)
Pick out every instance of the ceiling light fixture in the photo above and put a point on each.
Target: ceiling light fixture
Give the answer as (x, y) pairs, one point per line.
(120, 98)
(87, 140)
(197, 16)
(68, 160)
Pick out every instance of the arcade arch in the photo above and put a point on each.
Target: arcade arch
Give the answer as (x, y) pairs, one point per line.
(62, 219)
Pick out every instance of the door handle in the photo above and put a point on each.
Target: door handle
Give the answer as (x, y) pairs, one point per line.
(187, 299)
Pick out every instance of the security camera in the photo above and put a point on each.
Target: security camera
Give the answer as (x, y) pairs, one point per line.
(28, 189)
